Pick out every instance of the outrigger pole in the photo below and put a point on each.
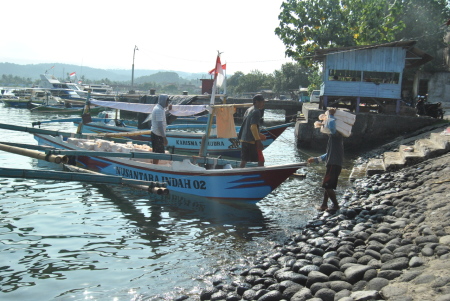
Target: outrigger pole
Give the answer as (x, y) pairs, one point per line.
(93, 178)
(34, 154)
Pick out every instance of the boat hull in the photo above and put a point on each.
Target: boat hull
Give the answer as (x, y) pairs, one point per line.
(250, 184)
(15, 103)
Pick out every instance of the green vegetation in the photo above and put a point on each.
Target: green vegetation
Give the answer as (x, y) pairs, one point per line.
(16, 81)
(308, 25)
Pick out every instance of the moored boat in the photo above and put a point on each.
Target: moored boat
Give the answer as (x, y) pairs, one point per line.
(187, 142)
(14, 101)
(181, 173)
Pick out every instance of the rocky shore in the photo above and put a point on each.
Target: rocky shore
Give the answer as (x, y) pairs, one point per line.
(389, 241)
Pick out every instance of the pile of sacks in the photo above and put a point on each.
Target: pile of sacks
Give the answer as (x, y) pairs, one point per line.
(344, 122)
(100, 145)
(108, 146)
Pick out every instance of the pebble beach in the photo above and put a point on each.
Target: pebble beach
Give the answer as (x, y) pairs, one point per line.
(389, 241)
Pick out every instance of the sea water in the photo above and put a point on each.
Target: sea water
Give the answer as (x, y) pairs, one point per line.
(79, 241)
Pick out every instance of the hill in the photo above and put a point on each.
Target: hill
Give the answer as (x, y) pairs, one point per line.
(63, 70)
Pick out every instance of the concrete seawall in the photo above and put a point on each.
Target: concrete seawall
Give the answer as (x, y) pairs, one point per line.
(369, 130)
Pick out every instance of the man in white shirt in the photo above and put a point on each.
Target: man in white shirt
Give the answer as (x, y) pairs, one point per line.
(159, 125)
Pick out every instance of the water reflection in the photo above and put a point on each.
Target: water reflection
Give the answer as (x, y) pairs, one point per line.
(192, 211)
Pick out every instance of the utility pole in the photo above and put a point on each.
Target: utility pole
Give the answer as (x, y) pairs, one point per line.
(132, 68)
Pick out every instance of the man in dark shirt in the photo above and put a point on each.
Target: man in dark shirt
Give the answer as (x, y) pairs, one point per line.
(333, 159)
(251, 145)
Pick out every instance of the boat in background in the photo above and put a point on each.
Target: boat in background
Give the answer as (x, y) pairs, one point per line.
(14, 101)
(53, 104)
(99, 90)
(24, 98)
(185, 141)
(72, 91)
(62, 90)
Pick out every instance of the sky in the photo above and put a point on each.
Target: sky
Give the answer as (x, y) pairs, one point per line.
(176, 35)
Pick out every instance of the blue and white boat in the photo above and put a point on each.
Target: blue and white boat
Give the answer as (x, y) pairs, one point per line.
(182, 174)
(185, 141)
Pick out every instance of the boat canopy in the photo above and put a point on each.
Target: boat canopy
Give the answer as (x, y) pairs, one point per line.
(177, 110)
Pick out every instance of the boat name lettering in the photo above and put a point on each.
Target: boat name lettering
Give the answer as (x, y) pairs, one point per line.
(216, 143)
(197, 143)
(186, 142)
(137, 175)
(174, 182)
(184, 183)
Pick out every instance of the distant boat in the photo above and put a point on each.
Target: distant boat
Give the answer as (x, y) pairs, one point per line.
(14, 101)
(23, 98)
(98, 90)
(72, 91)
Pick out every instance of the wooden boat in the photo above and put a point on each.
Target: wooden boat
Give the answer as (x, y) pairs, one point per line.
(216, 179)
(188, 142)
(53, 104)
(14, 101)
(30, 98)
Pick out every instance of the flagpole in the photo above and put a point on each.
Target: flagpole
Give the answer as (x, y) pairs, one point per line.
(205, 138)
(225, 86)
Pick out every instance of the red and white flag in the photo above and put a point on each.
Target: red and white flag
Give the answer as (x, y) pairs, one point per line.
(72, 74)
(218, 71)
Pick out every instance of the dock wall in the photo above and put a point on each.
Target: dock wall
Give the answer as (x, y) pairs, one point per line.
(369, 130)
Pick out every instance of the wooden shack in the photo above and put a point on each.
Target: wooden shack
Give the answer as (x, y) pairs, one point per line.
(367, 78)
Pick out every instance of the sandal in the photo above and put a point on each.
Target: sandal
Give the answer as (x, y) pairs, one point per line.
(333, 209)
(320, 208)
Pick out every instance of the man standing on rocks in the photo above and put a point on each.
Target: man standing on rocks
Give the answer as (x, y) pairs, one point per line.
(333, 160)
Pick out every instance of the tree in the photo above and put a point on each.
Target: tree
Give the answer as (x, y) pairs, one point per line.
(424, 21)
(290, 77)
(308, 25)
(254, 81)
(233, 82)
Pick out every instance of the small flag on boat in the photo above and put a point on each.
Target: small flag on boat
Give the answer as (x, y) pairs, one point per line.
(72, 74)
(218, 71)
(224, 67)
